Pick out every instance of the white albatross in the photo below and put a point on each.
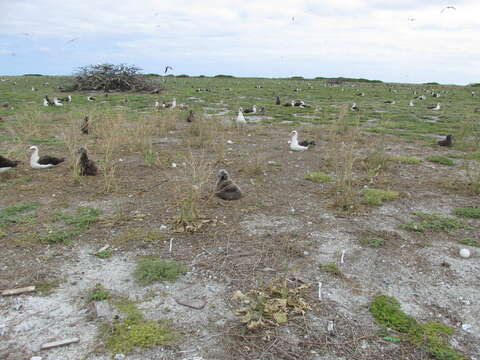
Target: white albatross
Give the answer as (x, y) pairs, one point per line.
(44, 162)
(57, 102)
(411, 103)
(241, 122)
(294, 145)
(435, 107)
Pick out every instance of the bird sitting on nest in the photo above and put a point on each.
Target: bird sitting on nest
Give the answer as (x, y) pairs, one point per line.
(354, 107)
(91, 98)
(191, 116)
(44, 162)
(252, 110)
(446, 142)
(277, 101)
(291, 103)
(47, 101)
(437, 107)
(294, 145)
(66, 99)
(6, 164)
(361, 94)
(241, 122)
(299, 103)
(226, 188)
(391, 102)
(411, 103)
(85, 129)
(172, 105)
(57, 102)
(86, 166)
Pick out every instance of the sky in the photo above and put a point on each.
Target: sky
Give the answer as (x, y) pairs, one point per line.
(410, 41)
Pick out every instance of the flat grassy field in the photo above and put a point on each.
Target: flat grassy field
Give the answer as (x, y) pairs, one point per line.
(349, 250)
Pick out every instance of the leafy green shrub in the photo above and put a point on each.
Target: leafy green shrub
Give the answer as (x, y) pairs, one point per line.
(151, 269)
(378, 196)
(469, 212)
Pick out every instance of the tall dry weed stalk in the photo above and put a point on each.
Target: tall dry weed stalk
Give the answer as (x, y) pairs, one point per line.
(342, 156)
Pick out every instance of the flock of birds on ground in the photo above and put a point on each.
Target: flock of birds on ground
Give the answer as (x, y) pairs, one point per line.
(226, 188)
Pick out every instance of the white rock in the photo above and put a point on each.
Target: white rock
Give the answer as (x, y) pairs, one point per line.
(119, 357)
(174, 165)
(36, 358)
(466, 327)
(465, 253)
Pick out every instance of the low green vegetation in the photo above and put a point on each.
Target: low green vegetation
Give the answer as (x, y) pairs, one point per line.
(468, 212)
(430, 336)
(98, 293)
(405, 159)
(470, 242)
(374, 242)
(440, 160)
(104, 254)
(74, 224)
(378, 196)
(332, 269)
(150, 269)
(134, 331)
(433, 222)
(318, 177)
(18, 213)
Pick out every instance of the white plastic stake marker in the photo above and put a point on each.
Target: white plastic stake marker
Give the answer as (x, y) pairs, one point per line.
(319, 291)
(343, 255)
(171, 243)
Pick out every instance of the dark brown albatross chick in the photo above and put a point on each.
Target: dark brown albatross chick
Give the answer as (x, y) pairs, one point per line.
(87, 167)
(191, 116)
(226, 188)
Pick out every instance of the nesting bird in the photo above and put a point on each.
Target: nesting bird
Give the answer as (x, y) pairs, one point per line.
(361, 94)
(87, 167)
(252, 110)
(291, 103)
(294, 145)
(411, 103)
(191, 116)
(44, 162)
(437, 107)
(354, 107)
(391, 102)
(172, 105)
(85, 129)
(91, 98)
(6, 164)
(47, 101)
(447, 141)
(57, 102)
(226, 188)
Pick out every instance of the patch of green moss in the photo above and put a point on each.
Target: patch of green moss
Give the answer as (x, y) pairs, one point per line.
(332, 269)
(378, 196)
(373, 242)
(151, 269)
(98, 293)
(468, 212)
(431, 336)
(318, 177)
(470, 242)
(440, 160)
(433, 222)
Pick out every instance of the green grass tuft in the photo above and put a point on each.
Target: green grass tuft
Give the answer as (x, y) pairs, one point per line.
(98, 293)
(469, 212)
(104, 254)
(440, 160)
(318, 177)
(15, 214)
(405, 159)
(378, 196)
(433, 222)
(332, 269)
(151, 269)
(470, 242)
(431, 336)
(373, 242)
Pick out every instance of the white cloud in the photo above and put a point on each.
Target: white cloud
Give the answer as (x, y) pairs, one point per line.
(350, 31)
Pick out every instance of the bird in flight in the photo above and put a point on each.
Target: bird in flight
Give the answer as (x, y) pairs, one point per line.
(411, 19)
(448, 7)
(168, 67)
(71, 40)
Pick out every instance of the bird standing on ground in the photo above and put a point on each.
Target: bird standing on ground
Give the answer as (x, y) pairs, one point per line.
(447, 141)
(294, 145)
(191, 116)
(6, 164)
(411, 103)
(226, 188)
(241, 122)
(354, 107)
(277, 102)
(87, 167)
(252, 110)
(85, 128)
(44, 162)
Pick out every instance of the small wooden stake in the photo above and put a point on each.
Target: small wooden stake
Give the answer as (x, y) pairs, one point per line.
(60, 343)
(17, 291)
